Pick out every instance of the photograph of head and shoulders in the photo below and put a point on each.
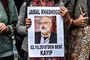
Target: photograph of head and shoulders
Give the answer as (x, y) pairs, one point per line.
(46, 27)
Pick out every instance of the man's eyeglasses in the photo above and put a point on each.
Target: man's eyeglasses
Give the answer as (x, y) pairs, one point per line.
(45, 23)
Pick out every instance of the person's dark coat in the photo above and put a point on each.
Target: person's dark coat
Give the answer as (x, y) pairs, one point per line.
(53, 38)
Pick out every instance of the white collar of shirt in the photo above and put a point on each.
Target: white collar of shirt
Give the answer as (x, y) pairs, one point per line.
(46, 41)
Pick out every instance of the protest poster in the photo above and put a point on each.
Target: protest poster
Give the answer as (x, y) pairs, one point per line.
(46, 21)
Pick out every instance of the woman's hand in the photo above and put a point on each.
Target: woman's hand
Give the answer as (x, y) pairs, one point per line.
(65, 14)
(28, 23)
(3, 28)
(81, 21)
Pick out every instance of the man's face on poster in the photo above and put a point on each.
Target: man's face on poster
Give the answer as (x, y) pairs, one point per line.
(45, 25)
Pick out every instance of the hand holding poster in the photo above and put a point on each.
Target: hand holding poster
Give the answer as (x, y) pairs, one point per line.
(45, 36)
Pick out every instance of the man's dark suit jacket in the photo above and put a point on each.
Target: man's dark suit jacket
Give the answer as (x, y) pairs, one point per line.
(53, 38)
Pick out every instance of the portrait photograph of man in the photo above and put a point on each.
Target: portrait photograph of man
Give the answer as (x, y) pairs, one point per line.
(45, 33)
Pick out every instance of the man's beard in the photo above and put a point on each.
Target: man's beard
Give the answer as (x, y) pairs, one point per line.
(43, 30)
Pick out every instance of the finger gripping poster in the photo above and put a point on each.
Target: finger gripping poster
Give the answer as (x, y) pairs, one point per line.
(46, 33)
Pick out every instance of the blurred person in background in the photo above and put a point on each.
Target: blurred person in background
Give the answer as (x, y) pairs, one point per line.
(78, 39)
(23, 25)
(8, 19)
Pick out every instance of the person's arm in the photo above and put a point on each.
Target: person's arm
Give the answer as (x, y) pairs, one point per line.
(13, 17)
(21, 28)
(64, 12)
(77, 19)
